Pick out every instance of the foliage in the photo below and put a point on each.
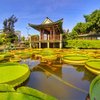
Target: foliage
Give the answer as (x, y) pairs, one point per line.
(80, 28)
(11, 38)
(83, 44)
(76, 57)
(9, 29)
(47, 52)
(94, 20)
(92, 24)
(22, 93)
(35, 93)
(2, 38)
(22, 38)
(95, 63)
(95, 89)
(13, 73)
(6, 87)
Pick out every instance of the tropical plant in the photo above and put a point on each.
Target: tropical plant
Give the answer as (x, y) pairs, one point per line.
(95, 89)
(13, 73)
(22, 93)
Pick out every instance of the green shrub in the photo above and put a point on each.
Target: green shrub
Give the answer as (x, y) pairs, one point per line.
(88, 44)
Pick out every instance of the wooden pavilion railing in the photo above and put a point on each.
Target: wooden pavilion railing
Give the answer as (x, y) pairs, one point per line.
(47, 38)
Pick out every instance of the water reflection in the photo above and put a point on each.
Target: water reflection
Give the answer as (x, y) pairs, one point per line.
(49, 69)
(87, 74)
(63, 81)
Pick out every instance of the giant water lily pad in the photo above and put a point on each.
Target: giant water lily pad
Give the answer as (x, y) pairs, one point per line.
(93, 66)
(22, 93)
(75, 59)
(95, 89)
(13, 73)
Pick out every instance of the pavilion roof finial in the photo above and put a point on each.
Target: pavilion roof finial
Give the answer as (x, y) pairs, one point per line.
(47, 21)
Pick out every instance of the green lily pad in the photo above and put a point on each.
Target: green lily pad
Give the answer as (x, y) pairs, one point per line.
(95, 63)
(23, 93)
(76, 57)
(13, 73)
(95, 89)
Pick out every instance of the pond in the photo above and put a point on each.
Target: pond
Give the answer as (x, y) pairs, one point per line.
(63, 81)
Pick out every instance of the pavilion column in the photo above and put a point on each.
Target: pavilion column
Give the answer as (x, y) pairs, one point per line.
(60, 37)
(48, 41)
(42, 34)
(48, 37)
(48, 45)
(60, 43)
(39, 44)
(40, 38)
(53, 33)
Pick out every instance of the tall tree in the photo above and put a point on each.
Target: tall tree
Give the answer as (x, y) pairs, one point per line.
(94, 21)
(9, 28)
(80, 28)
(91, 24)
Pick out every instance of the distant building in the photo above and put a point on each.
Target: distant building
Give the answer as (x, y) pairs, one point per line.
(50, 34)
(90, 36)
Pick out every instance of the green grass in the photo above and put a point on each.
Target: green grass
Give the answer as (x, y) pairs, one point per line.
(13, 73)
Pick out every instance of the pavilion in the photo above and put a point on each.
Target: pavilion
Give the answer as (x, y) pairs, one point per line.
(50, 34)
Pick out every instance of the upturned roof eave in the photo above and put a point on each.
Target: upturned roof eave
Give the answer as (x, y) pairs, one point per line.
(43, 25)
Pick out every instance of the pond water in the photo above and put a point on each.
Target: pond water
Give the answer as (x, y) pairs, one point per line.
(63, 81)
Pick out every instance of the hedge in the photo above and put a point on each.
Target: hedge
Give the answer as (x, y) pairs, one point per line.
(83, 44)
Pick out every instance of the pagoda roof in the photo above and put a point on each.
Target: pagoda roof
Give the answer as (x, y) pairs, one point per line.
(47, 23)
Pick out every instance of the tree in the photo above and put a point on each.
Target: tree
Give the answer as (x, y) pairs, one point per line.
(9, 29)
(81, 28)
(22, 38)
(91, 24)
(93, 21)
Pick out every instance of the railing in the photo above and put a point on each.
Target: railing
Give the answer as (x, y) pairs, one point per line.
(47, 38)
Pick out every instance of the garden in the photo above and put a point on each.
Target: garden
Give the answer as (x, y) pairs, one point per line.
(68, 73)
(17, 67)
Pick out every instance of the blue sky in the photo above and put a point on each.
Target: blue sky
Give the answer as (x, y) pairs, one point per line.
(35, 11)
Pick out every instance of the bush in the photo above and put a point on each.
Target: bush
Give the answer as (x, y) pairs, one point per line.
(84, 44)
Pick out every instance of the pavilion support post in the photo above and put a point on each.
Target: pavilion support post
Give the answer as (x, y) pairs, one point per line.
(60, 45)
(60, 37)
(39, 45)
(53, 33)
(42, 34)
(48, 46)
